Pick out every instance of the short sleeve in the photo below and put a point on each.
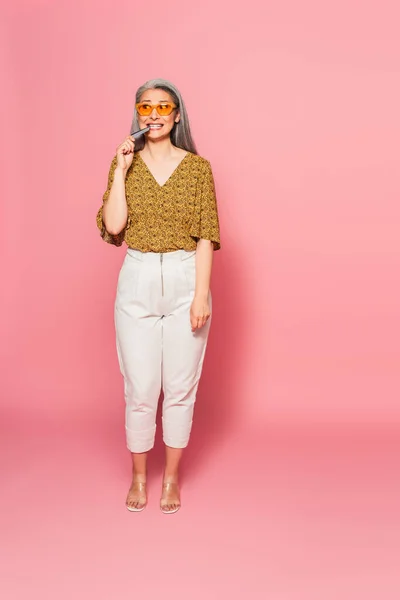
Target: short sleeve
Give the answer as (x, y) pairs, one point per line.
(117, 239)
(206, 222)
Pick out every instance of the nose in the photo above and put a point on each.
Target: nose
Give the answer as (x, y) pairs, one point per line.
(154, 114)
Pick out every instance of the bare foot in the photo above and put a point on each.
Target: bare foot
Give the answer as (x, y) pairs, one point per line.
(137, 497)
(170, 498)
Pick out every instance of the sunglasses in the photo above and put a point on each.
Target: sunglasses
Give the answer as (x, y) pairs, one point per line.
(164, 108)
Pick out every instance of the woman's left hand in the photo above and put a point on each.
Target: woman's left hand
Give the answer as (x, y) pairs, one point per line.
(199, 312)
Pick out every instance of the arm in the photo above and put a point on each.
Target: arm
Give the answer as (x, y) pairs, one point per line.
(204, 259)
(112, 217)
(206, 231)
(115, 209)
(200, 309)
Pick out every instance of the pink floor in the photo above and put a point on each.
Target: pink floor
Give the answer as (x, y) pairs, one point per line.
(279, 514)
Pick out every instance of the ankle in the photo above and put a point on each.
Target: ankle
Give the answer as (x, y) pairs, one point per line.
(140, 477)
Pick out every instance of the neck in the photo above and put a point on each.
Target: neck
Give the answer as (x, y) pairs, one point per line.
(159, 150)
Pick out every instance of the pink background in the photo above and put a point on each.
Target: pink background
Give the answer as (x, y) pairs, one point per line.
(295, 104)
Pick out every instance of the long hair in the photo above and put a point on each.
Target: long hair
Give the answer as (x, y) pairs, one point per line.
(181, 136)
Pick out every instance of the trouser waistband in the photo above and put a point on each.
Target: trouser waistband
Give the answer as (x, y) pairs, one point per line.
(155, 256)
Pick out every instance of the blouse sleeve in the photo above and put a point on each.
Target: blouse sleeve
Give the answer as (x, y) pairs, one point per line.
(206, 222)
(118, 238)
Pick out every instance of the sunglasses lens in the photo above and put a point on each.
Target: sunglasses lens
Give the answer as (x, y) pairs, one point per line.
(144, 109)
(164, 109)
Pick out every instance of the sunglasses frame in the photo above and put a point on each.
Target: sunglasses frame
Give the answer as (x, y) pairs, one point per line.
(156, 106)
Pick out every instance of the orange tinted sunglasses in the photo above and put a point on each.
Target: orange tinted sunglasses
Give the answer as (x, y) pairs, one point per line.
(163, 108)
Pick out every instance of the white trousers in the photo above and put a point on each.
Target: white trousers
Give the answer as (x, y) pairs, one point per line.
(156, 346)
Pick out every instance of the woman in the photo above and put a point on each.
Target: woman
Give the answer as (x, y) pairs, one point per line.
(160, 200)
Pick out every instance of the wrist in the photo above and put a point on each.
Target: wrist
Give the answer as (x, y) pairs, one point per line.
(202, 294)
(120, 171)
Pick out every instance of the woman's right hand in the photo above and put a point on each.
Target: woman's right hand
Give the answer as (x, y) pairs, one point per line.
(125, 153)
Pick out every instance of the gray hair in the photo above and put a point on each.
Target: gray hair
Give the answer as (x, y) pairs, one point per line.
(181, 136)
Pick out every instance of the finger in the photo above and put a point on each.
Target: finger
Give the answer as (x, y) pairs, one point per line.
(206, 317)
(195, 324)
(127, 148)
(121, 149)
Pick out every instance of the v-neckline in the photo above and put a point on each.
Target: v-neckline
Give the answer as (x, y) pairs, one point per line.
(173, 172)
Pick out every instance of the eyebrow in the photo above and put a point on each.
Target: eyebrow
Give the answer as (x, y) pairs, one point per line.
(158, 101)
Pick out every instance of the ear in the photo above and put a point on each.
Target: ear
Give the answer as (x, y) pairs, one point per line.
(178, 117)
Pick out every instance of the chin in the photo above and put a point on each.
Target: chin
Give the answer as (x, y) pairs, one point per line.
(158, 134)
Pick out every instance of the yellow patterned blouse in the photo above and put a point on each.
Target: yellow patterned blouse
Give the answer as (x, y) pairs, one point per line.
(168, 217)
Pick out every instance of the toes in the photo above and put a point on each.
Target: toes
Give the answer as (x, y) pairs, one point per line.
(170, 506)
(132, 503)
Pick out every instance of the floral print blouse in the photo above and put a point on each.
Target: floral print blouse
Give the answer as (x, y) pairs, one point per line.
(168, 217)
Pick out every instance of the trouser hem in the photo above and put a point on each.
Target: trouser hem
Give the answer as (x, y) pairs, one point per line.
(139, 448)
(176, 436)
(175, 443)
(140, 441)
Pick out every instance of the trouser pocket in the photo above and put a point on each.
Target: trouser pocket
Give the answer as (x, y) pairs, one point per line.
(128, 277)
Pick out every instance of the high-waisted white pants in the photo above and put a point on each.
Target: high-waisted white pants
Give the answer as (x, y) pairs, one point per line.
(156, 346)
